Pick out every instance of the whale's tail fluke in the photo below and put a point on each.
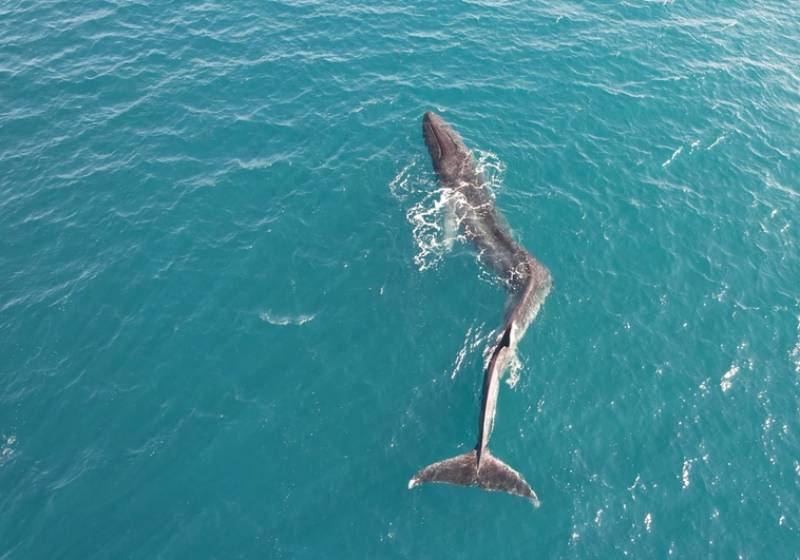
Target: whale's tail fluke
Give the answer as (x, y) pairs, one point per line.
(465, 470)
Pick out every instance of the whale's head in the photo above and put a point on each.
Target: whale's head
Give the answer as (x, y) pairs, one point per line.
(449, 155)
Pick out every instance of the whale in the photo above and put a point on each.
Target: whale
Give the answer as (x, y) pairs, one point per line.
(525, 279)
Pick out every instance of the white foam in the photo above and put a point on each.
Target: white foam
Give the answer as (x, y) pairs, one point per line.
(283, 320)
(427, 218)
(717, 141)
(425, 213)
(400, 186)
(6, 447)
(727, 378)
(685, 472)
(514, 368)
(490, 166)
(433, 209)
(794, 353)
(675, 154)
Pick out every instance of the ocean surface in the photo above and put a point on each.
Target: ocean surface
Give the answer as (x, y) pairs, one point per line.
(231, 325)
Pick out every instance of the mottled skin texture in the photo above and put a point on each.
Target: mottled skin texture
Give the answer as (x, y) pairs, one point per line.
(527, 281)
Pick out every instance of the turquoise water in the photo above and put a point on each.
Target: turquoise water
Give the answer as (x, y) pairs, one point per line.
(230, 326)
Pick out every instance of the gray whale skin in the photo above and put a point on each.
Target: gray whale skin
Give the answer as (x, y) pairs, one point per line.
(528, 283)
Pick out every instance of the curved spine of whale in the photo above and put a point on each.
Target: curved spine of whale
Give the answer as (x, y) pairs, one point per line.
(528, 283)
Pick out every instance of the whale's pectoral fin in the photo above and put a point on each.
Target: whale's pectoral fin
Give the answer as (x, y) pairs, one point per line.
(463, 470)
(450, 224)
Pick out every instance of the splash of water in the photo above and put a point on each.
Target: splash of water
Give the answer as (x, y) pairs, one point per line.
(433, 211)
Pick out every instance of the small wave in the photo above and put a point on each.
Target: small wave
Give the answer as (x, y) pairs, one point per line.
(717, 141)
(400, 186)
(794, 353)
(491, 167)
(283, 320)
(474, 339)
(675, 154)
(6, 447)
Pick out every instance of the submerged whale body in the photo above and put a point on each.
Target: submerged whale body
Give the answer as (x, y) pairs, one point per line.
(528, 283)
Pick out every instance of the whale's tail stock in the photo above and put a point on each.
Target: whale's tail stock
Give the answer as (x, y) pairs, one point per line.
(468, 469)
